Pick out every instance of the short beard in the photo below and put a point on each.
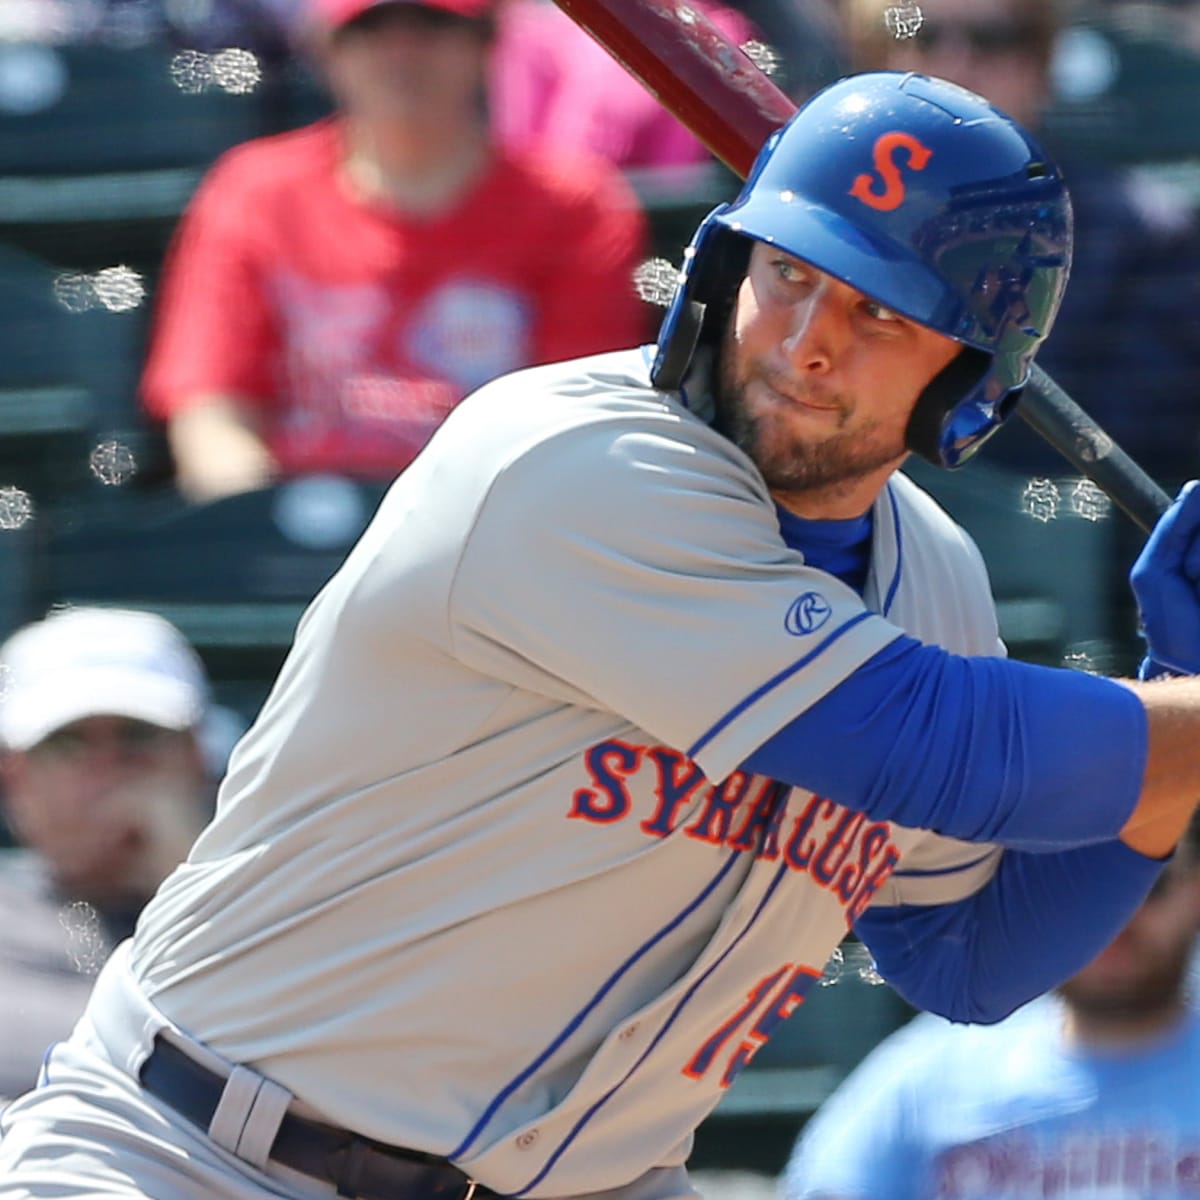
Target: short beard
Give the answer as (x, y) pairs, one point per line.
(786, 464)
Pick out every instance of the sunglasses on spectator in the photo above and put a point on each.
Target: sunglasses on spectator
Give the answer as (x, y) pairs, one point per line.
(983, 37)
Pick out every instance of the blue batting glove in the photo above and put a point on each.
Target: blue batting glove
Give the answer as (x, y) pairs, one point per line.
(1166, 582)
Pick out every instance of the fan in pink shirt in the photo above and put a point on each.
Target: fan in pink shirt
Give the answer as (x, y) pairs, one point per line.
(554, 85)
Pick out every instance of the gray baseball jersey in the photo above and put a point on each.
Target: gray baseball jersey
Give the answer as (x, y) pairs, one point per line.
(485, 878)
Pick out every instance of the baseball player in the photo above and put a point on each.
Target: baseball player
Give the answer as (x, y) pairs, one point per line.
(650, 677)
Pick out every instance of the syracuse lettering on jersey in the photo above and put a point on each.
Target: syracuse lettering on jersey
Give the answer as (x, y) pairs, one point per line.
(838, 849)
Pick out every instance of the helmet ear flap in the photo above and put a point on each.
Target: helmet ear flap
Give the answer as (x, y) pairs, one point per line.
(675, 353)
(926, 430)
(715, 263)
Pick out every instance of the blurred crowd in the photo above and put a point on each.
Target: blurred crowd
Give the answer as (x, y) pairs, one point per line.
(441, 191)
(478, 190)
(1090, 1092)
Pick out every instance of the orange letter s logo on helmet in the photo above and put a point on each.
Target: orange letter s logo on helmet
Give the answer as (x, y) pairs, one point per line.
(892, 195)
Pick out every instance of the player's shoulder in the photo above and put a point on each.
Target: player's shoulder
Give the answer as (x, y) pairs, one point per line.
(613, 380)
(577, 445)
(597, 419)
(604, 388)
(596, 392)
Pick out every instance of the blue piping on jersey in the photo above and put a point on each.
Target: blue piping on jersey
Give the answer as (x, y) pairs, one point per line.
(895, 584)
(649, 351)
(918, 874)
(43, 1076)
(773, 682)
(490, 1111)
(591, 1112)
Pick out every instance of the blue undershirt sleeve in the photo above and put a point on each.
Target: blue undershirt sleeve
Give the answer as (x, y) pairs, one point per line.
(1035, 923)
(982, 749)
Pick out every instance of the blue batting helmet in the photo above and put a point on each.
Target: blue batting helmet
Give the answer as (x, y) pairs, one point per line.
(927, 199)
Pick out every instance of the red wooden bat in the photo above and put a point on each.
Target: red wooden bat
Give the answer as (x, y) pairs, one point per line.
(710, 84)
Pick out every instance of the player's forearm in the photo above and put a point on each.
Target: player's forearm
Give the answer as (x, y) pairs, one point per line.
(1171, 784)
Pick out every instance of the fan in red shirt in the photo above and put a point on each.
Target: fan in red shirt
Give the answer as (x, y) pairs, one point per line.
(334, 291)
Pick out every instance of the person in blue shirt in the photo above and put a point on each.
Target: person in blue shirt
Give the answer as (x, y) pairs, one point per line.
(1090, 1092)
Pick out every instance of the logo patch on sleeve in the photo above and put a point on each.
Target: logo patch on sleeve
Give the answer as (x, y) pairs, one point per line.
(809, 611)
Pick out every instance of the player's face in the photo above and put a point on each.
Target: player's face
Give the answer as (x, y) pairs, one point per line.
(1142, 971)
(817, 384)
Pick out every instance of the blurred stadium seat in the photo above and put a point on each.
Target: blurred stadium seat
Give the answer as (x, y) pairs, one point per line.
(1049, 548)
(71, 345)
(297, 95)
(1127, 87)
(677, 199)
(233, 575)
(46, 409)
(87, 109)
(102, 146)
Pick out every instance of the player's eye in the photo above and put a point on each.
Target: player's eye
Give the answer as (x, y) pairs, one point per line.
(790, 270)
(880, 312)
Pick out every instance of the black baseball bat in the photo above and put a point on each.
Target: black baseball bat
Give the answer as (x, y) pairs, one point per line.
(1056, 417)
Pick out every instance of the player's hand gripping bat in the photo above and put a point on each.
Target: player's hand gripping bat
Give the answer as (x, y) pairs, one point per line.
(715, 89)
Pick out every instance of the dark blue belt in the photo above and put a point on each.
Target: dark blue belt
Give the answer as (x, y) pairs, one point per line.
(355, 1165)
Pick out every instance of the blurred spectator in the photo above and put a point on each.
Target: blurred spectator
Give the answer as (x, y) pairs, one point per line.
(334, 291)
(1093, 1093)
(1001, 49)
(1176, 21)
(555, 86)
(1127, 341)
(104, 786)
(804, 34)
